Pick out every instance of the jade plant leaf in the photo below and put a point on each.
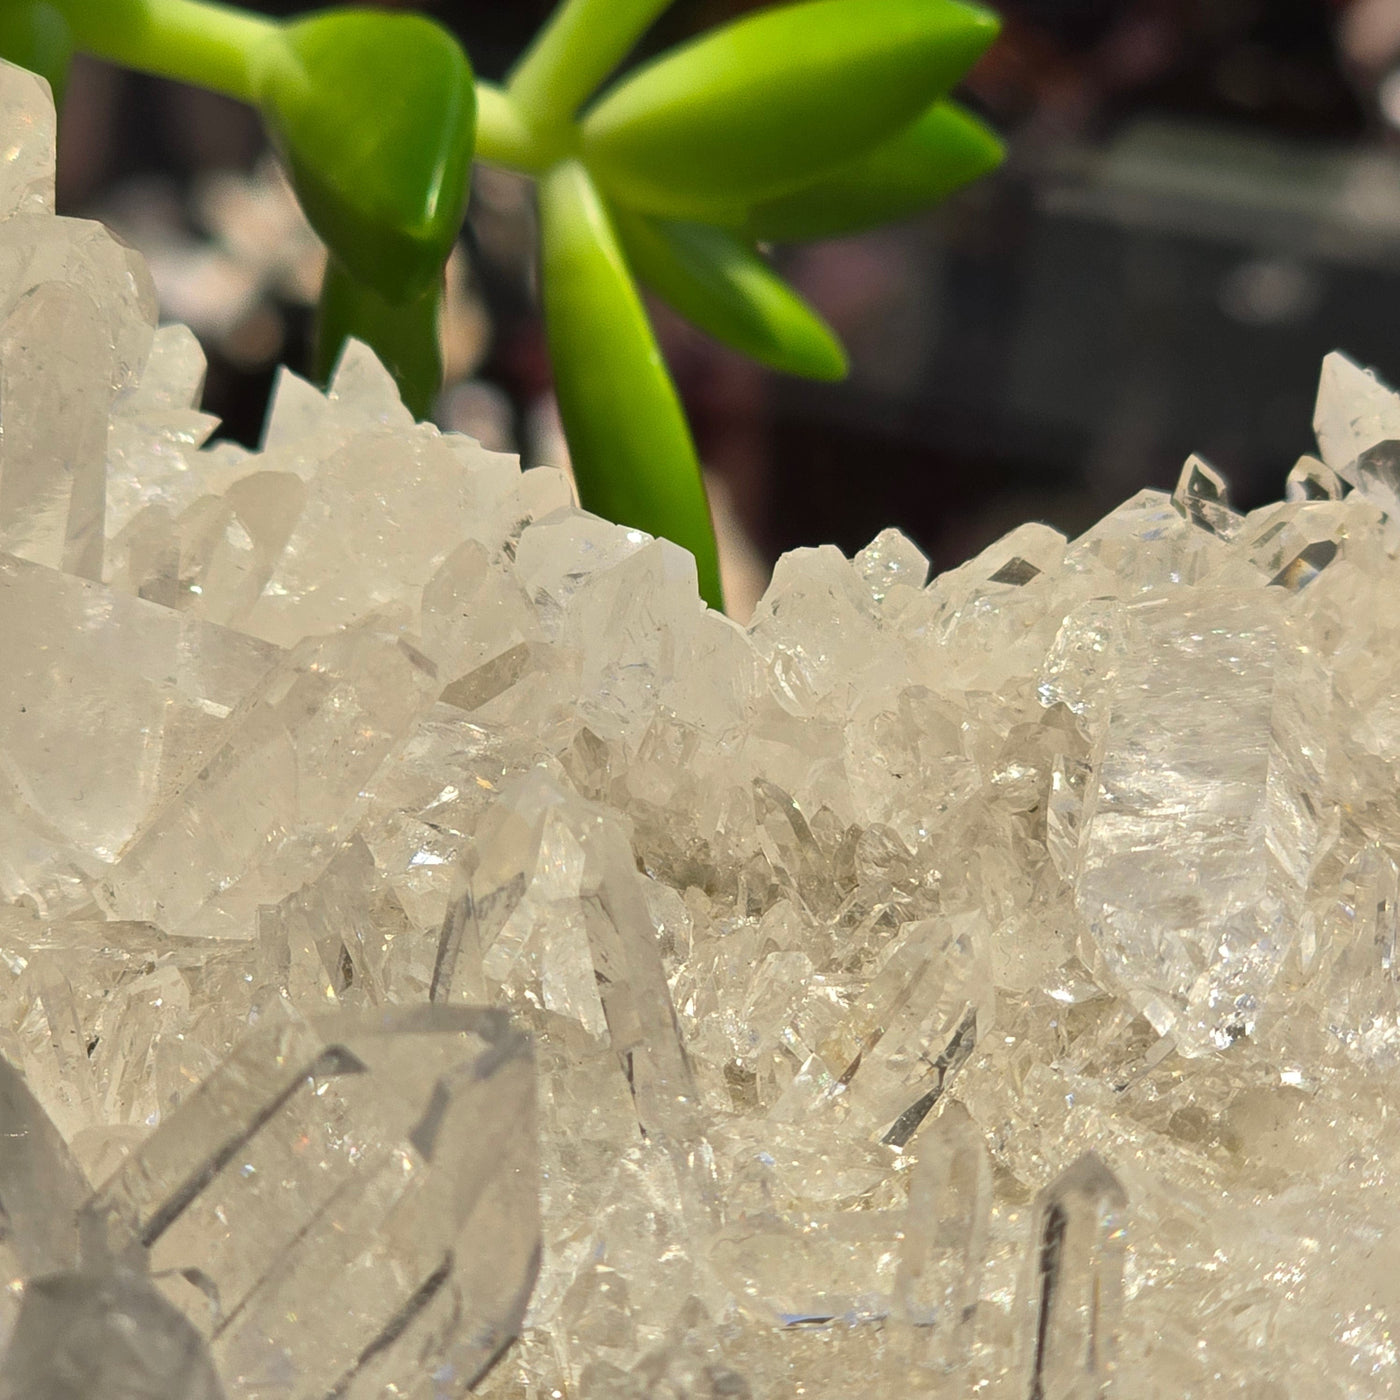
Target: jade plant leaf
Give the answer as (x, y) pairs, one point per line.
(632, 453)
(375, 116)
(37, 37)
(718, 283)
(769, 102)
(938, 153)
(403, 334)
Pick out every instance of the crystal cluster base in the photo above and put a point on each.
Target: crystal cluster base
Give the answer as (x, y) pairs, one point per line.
(438, 955)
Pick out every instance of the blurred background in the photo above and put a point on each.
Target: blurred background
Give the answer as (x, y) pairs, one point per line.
(1201, 198)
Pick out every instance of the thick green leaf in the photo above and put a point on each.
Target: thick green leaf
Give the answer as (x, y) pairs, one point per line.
(375, 115)
(769, 102)
(933, 156)
(403, 334)
(632, 453)
(721, 285)
(37, 37)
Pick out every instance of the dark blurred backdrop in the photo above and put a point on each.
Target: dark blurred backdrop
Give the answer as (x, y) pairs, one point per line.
(1202, 197)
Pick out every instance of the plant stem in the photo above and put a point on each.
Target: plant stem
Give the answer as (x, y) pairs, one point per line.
(405, 337)
(502, 138)
(581, 44)
(210, 45)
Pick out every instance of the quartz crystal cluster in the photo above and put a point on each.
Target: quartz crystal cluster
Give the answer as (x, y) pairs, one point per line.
(437, 954)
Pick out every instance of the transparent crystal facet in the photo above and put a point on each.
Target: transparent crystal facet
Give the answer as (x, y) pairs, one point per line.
(1199, 828)
(108, 1334)
(342, 1202)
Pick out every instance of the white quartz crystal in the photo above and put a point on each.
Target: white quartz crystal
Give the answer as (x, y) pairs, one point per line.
(438, 955)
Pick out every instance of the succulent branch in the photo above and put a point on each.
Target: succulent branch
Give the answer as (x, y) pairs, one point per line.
(801, 121)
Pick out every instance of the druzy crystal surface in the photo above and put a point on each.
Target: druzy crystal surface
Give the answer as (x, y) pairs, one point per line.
(438, 956)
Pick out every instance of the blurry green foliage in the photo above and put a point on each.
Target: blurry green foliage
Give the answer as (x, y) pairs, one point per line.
(804, 120)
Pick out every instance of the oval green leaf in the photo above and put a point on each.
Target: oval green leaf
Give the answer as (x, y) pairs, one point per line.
(718, 283)
(403, 334)
(940, 152)
(375, 116)
(631, 449)
(768, 103)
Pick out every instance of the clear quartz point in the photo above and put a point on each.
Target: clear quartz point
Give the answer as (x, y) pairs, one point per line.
(1375, 474)
(1312, 480)
(1200, 496)
(892, 562)
(1354, 411)
(1143, 545)
(114, 702)
(81, 1335)
(52, 464)
(938, 1281)
(297, 410)
(41, 1189)
(557, 911)
(27, 158)
(353, 1199)
(1305, 566)
(362, 390)
(264, 813)
(1360, 955)
(885, 1065)
(1074, 1289)
(1200, 830)
(77, 317)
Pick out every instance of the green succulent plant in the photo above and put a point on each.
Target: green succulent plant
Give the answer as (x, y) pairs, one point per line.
(802, 121)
